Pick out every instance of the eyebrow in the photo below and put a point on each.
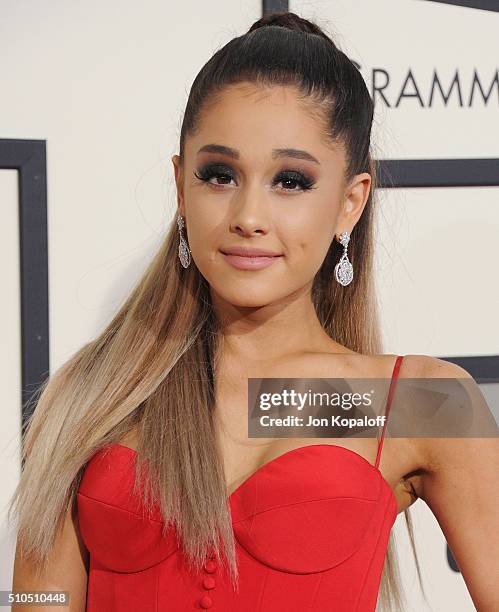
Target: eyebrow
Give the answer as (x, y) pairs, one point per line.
(276, 153)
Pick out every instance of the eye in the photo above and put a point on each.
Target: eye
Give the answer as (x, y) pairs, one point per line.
(206, 173)
(294, 178)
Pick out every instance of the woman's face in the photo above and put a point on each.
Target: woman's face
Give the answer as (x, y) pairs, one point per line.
(258, 175)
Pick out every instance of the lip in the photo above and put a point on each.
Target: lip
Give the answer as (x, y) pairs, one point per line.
(256, 261)
(249, 252)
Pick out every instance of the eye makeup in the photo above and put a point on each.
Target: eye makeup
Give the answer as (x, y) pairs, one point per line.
(222, 171)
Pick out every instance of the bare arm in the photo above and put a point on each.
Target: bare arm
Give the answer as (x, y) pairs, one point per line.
(66, 571)
(461, 487)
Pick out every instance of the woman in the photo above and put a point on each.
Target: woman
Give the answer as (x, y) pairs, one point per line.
(274, 155)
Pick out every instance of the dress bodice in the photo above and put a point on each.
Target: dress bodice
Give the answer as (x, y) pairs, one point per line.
(311, 529)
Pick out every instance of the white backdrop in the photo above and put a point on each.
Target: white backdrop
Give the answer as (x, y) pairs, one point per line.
(105, 85)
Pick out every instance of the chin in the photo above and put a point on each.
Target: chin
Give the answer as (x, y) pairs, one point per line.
(245, 297)
(243, 301)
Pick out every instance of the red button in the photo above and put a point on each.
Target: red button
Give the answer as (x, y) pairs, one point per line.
(210, 566)
(209, 582)
(206, 602)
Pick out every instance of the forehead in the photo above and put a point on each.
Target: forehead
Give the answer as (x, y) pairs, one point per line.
(256, 119)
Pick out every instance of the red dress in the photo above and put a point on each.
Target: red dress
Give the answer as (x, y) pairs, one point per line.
(311, 528)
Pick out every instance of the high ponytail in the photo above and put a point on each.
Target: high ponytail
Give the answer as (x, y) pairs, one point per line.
(290, 21)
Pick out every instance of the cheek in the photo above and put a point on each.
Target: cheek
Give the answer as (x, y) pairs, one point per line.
(312, 243)
(308, 241)
(203, 232)
(202, 250)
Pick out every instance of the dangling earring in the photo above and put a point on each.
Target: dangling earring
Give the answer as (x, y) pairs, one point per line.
(184, 253)
(343, 271)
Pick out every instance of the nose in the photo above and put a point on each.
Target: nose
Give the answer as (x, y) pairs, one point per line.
(250, 213)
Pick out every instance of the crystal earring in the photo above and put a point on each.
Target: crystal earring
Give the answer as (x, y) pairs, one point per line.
(184, 253)
(343, 271)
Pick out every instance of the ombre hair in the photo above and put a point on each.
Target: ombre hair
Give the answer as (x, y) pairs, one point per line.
(154, 363)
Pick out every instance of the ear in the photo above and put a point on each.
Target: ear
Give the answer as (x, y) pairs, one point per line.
(354, 201)
(179, 181)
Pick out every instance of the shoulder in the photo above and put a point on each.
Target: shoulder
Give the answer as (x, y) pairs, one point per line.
(455, 413)
(420, 406)
(426, 366)
(412, 366)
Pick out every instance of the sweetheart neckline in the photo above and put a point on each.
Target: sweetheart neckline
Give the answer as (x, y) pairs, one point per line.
(288, 453)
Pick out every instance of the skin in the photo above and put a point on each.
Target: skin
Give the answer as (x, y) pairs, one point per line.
(271, 328)
(67, 570)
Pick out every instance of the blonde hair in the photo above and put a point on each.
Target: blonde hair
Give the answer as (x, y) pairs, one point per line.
(155, 361)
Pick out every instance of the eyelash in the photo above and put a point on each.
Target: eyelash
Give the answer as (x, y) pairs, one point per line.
(217, 170)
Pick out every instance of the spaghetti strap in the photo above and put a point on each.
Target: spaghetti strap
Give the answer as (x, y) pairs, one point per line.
(391, 392)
